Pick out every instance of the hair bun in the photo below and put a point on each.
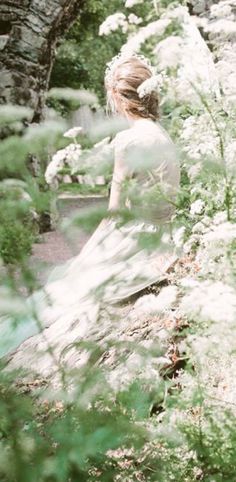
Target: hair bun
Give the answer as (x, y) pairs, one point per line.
(132, 87)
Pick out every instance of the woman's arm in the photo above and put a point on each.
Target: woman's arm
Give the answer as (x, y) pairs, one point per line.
(119, 175)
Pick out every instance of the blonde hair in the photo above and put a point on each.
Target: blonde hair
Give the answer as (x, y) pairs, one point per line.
(122, 95)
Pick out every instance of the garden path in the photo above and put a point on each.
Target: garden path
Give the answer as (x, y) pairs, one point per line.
(55, 247)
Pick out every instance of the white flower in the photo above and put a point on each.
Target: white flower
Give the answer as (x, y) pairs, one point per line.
(197, 207)
(178, 236)
(102, 143)
(131, 3)
(133, 19)
(223, 233)
(150, 85)
(211, 301)
(193, 58)
(194, 171)
(189, 282)
(55, 166)
(200, 22)
(200, 139)
(67, 179)
(220, 217)
(74, 132)
(230, 156)
(190, 243)
(206, 220)
(73, 153)
(221, 10)
(166, 238)
(113, 23)
(199, 228)
(151, 304)
(169, 52)
(135, 42)
(222, 27)
(69, 156)
(179, 13)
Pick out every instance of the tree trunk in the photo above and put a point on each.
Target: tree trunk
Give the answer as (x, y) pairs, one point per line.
(29, 30)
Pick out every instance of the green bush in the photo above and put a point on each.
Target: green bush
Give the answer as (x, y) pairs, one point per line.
(16, 237)
(82, 56)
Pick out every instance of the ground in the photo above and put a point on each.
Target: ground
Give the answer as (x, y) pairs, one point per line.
(55, 247)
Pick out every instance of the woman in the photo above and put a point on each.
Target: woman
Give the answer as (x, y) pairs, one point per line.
(113, 265)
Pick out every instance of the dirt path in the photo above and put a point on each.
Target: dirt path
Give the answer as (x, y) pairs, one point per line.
(55, 247)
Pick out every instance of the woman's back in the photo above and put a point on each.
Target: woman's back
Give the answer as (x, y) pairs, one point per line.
(152, 163)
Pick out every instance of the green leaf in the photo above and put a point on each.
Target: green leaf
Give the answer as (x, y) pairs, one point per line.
(11, 113)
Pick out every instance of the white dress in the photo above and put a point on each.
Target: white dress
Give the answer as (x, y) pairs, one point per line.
(111, 267)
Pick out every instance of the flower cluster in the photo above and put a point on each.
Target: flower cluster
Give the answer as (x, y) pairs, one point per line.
(222, 10)
(169, 52)
(210, 301)
(89, 166)
(152, 304)
(135, 42)
(73, 132)
(112, 23)
(133, 19)
(132, 3)
(149, 86)
(197, 207)
(199, 137)
(64, 157)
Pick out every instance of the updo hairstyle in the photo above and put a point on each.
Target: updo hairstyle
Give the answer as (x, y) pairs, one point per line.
(122, 95)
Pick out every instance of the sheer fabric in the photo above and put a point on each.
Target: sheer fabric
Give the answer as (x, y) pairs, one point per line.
(111, 267)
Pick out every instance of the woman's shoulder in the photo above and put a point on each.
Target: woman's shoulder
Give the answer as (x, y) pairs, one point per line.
(142, 133)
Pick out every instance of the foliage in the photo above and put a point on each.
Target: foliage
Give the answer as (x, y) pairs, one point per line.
(82, 56)
(16, 234)
(21, 201)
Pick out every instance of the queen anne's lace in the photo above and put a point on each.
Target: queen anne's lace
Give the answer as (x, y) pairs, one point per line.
(153, 84)
(113, 23)
(73, 132)
(132, 3)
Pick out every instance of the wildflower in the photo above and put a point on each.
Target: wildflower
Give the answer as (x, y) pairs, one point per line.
(222, 27)
(194, 171)
(55, 166)
(188, 282)
(199, 139)
(220, 217)
(135, 42)
(148, 86)
(113, 23)
(210, 301)
(199, 228)
(68, 156)
(230, 156)
(156, 304)
(169, 52)
(192, 242)
(74, 132)
(133, 19)
(197, 207)
(221, 10)
(178, 236)
(224, 232)
(165, 239)
(131, 3)
(102, 143)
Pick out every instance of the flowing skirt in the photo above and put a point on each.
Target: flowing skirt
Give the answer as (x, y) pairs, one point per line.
(111, 267)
